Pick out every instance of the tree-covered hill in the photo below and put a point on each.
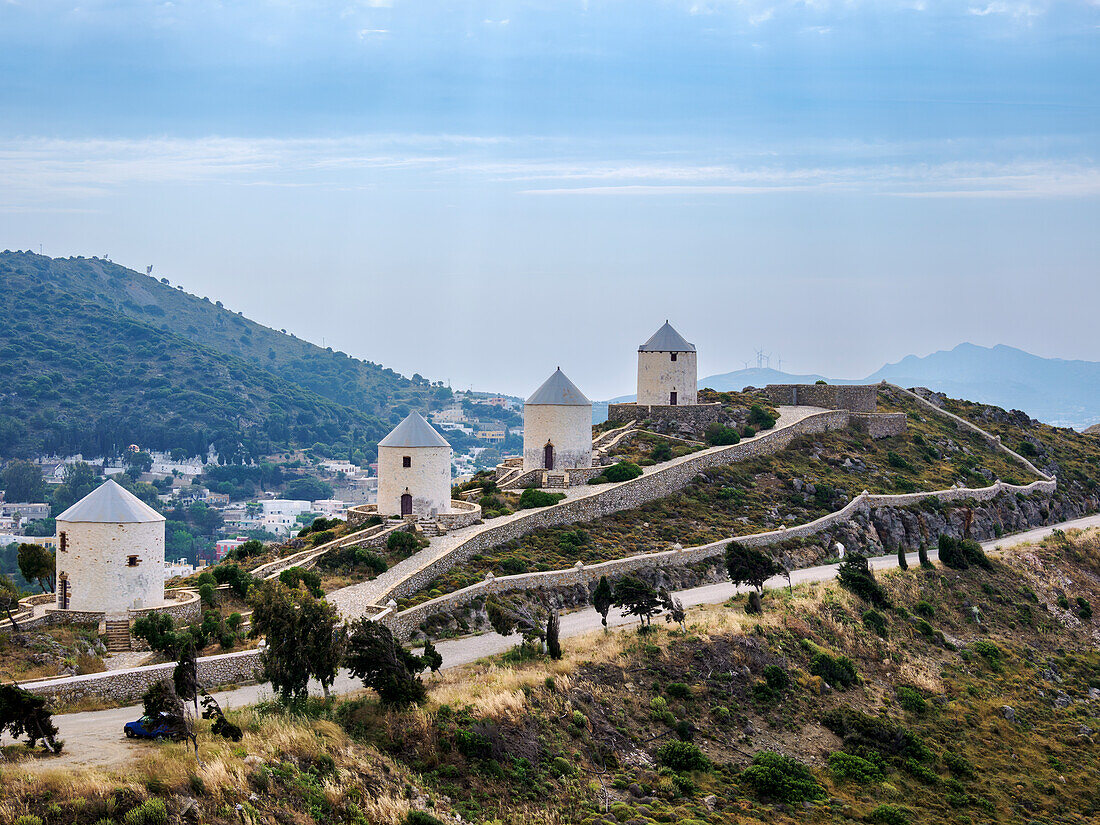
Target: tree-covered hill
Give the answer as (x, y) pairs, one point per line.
(94, 357)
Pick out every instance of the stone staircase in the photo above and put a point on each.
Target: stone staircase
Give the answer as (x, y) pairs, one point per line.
(118, 634)
(555, 480)
(430, 529)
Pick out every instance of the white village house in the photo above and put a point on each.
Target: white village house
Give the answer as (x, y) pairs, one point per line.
(414, 470)
(557, 426)
(110, 553)
(667, 370)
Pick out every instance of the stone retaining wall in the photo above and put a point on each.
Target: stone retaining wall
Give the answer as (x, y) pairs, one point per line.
(694, 417)
(463, 514)
(625, 496)
(406, 622)
(128, 685)
(852, 397)
(879, 425)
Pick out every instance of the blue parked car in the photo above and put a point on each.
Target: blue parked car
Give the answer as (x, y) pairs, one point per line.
(148, 727)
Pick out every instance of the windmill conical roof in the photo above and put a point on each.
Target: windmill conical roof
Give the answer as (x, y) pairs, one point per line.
(414, 431)
(666, 339)
(559, 390)
(111, 503)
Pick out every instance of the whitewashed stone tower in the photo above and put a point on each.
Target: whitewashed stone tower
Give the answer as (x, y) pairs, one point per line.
(667, 373)
(557, 426)
(414, 470)
(110, 553)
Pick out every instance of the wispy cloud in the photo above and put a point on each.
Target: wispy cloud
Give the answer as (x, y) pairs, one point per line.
(69, 173)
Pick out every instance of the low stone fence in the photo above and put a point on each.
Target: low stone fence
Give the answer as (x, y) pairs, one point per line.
(994, 440)
(370, 536)
(673, 476)
(128, 685)
(406, 622)
(463, 514)
(852, 397)
(879, 425)
(694, 417)
(181, 604)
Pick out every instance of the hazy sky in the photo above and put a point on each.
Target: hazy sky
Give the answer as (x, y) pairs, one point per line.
(481, 191)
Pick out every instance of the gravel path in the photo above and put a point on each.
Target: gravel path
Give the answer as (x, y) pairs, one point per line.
(95, 737)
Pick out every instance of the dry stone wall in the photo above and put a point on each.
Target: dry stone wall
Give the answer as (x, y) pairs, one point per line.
(625, 496)
(695, 418)
(853, 397)
(128, 685)
(404, 624)
(879, 425)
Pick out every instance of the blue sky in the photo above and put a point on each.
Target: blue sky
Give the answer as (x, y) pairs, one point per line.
(841, 183)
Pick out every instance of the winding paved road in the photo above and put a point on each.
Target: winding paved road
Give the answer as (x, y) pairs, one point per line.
(95, 738)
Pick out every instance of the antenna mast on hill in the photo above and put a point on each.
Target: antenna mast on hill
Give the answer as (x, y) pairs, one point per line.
(149, 269)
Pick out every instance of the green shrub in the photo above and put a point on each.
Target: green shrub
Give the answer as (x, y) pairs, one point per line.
(778, 778)
(910, 699)
(1084, 609)
(27, 819)
(923, 608)
(682, 756)
(959, 765)
(862, 733)
(533, 497)
(838, 671)
(854, 768)
(208, 594)
(761, 691)
(748, 432)
(421, 818)
(876, 622)
(761, 418)
(560, 766)
(401, 541)
(718, 435)
(623, 471)
(661, 452)
(150, 812)
(322, 537)
(886, 814)
(855, 574)
(961, 554)
(776, 677)
(678, 690)
(370, 560)
(990, 652)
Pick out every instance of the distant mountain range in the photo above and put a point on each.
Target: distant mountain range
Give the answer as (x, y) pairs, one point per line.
(1053, 390)
(94, 357)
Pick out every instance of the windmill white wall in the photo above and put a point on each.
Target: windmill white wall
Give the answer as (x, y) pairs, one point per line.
(414, 460)
(557, 415)
(113, 559)
(667, 365)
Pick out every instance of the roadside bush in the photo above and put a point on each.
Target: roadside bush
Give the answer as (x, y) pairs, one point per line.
(847, 766)
(876, 622)
(371, 560)
(623, 471)
(533, 497)
(719, 435)
(854, 574)
(661, 452)
(838, 671)
(322, 537)
(761, 418)
(292, 577)
(682, 756)
(401, 541)
(778, 778)
(748, 432)
(962, 554)
(238, 579)
(208, 594)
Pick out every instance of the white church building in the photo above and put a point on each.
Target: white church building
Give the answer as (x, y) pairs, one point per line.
(414, 470)
(667, 371)
(557, 426)
(110, 553)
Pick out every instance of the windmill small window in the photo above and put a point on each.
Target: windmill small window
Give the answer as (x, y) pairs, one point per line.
(132, 561)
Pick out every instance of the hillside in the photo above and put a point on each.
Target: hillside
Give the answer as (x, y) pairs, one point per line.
(967, 696)
(189, 372)
(1059, 392)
